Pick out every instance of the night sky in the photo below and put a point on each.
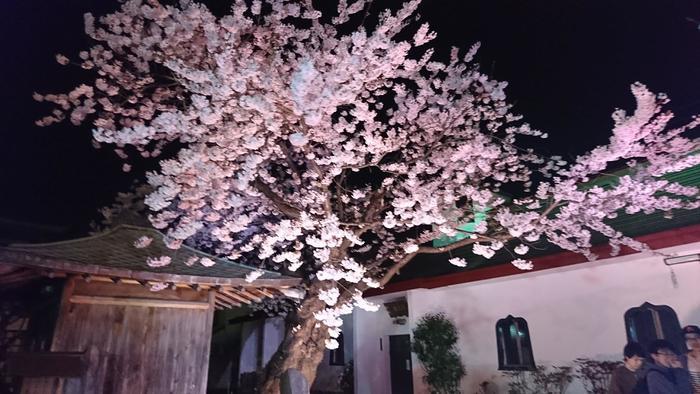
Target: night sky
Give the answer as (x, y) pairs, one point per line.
(568, 63)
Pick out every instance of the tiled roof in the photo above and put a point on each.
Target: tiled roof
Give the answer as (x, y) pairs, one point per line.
(113, 253)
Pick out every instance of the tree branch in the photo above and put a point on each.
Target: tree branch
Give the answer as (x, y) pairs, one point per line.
(296, 173)
(430, 250)
(376, 203)
(281, 205)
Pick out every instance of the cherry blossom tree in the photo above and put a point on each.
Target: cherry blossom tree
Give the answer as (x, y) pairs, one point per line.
(337, 149)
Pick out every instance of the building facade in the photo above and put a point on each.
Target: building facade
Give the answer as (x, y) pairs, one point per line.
(572, 309)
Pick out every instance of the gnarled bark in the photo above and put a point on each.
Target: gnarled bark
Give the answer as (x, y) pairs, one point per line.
(302, 347)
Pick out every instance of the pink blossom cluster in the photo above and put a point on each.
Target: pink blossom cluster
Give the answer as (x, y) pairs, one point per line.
(339, 153)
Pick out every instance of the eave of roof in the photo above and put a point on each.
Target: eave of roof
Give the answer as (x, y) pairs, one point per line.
(659, 240)
(112, 254)
(633, 225)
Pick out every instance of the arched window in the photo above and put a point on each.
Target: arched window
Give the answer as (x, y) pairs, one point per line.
(649, 322)
(514, 347)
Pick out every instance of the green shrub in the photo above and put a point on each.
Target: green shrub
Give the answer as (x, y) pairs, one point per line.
(434, 340)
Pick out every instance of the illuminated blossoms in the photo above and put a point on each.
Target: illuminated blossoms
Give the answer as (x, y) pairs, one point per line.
(340, 154)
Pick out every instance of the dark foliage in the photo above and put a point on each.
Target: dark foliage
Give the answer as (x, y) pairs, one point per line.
(434, 340)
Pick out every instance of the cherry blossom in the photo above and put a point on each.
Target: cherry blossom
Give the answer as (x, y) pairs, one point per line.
(253, 275)
(521, 249)
(143, 242)
(330, 296)
(522, 264)
(156, 262)
(331, 344)
(339, 152)
(157, 286)
(458, 261)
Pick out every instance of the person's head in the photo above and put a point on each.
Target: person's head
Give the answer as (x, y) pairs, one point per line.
(634, 356)
(692, 337)
(663, 353)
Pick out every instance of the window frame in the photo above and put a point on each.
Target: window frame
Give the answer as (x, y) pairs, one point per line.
(522, 343)
(673, 335)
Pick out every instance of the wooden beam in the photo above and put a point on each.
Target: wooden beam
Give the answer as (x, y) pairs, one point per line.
(221, 303)
(231, 293)
(243, 293)
(222, 299)
(97, 278)
(262, 291)
(20, 275)
(228, 299)
(144, 302)
(122, 290)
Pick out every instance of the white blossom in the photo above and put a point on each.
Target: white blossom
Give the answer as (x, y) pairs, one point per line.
(160, 261)
(329, 296)
(334, 332)
(143, 242)
(331, 344)
(524, 265)
(458, 261)
(483, 250)
(295, 265)
(389, 220)
(157, 286)
(371, 283)
(410, 248)
(521, 249)
(253, 275)
(362, 303)
(298, 139)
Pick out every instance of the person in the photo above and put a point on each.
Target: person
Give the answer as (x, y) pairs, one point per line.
(691, 360)
(665, 375)
(624, 378)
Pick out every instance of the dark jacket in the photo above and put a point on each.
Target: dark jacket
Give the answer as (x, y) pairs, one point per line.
(662, 380)
(623, 381)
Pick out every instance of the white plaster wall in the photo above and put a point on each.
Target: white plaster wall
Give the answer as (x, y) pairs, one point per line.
(572, 312)
(273, 334)
(371, 362)
(272, 337)
(250, 336)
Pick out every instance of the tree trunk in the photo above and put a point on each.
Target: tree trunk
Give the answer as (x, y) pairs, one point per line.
(302, 347)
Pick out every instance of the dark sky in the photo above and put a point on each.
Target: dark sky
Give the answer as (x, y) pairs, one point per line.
(569, 64)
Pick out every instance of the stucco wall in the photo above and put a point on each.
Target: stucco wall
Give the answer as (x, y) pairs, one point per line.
(575, 311)
(273, 333)
(372, 356)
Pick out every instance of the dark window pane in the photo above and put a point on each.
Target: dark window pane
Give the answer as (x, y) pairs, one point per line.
(513, 342)
(671, 328)
(648, 322)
